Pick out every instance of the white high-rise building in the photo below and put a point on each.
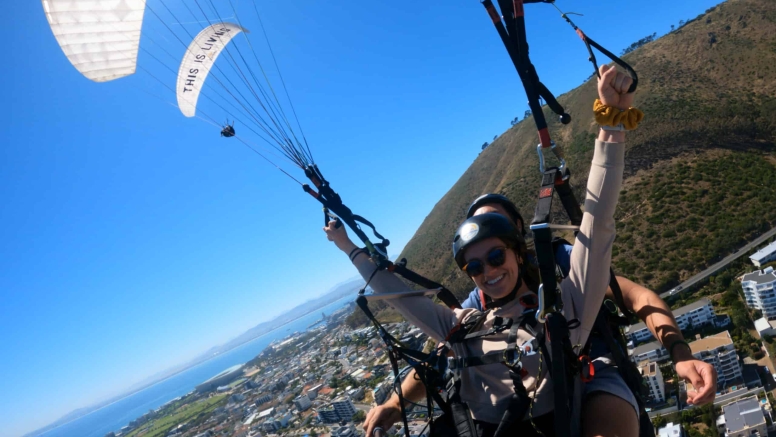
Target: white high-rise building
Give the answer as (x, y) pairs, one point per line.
(344, 408)
(719, 351)
(695, 314)
(759, 291)
(654, 379)
(340, 409)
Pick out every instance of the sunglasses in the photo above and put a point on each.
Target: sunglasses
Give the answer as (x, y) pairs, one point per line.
(495, 258)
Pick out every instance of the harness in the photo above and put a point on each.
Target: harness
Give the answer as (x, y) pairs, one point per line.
(556, 179)
(441, 374)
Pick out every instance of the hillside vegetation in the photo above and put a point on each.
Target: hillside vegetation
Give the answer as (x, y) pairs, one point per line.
(700, 170)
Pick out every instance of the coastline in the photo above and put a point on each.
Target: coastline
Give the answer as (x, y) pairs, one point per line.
(44, 430)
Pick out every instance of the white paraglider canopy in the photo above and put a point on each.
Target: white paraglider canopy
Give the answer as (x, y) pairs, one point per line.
(196, 63)
(99, 37)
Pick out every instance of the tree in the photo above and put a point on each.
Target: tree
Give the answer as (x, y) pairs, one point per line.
(485, 145)
(359, 417)
(659, 422)
(672, 28)
(494, 137)
(527, 114)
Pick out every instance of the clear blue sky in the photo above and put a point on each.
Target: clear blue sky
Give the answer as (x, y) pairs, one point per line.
(135, 239)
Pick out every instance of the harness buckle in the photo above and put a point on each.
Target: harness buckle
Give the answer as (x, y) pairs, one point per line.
(512, 358)
(529, 348)
(587, 370)
(558, 154)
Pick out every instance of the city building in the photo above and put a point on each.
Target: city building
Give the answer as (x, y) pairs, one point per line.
(695, 314)
(764, 255)
(719, 351)
(344, 431)
(380, 393)
(302, 403)
(765, 327)
(344, 408)
(654, 379)
(263, 399)
(759, 293)
(744, 418)
(270, 425)
(328, 415)
(356, 394)
(670, 430)
(312, 392)
(653, 351)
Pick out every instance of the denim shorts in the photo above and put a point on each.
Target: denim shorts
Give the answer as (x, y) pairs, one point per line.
(607, 379)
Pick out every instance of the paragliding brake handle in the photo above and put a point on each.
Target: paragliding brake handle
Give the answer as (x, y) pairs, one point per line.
(558, 154)
(328, 216)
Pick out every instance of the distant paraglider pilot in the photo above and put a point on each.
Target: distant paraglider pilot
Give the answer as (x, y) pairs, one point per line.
(228, 130)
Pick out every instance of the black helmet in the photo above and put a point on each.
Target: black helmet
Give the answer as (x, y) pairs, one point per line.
(501, 200)
(481, 227)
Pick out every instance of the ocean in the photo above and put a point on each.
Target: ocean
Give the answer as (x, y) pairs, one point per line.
(118, 414)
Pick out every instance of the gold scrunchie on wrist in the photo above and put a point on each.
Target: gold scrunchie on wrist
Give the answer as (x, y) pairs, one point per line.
(611, 116)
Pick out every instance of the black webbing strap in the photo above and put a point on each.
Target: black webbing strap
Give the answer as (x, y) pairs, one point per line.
(519, 402)
(561, 372)
(514, 39)
(545, 253)
(627, 370)
(510, 356)
(332, 201)
(589, 42)
(499, 324)
(462, 418)
(482, 360)
(617, 292)
(567, 198)
(445, 295)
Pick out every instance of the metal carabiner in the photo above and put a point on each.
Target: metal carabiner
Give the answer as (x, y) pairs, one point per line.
(540, 313)
(556, 151)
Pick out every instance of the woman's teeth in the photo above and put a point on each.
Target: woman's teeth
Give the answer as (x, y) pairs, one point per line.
(494, 280)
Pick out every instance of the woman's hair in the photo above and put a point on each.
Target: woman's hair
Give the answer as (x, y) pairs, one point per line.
(528, 271)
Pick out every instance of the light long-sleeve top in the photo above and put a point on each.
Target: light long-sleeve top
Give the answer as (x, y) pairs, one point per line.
(487, 388)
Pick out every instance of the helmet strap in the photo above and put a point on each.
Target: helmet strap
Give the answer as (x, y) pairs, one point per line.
(511, 296)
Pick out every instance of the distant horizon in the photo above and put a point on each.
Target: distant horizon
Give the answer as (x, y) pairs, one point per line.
(186, 365)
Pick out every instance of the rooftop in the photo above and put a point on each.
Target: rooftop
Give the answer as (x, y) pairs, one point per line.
(711, 342)
(646, 347)
(761, 276)
(743, 414)
(265, 413)
(649, 369)
(670, 430)
(763, 324)
(764, 252)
